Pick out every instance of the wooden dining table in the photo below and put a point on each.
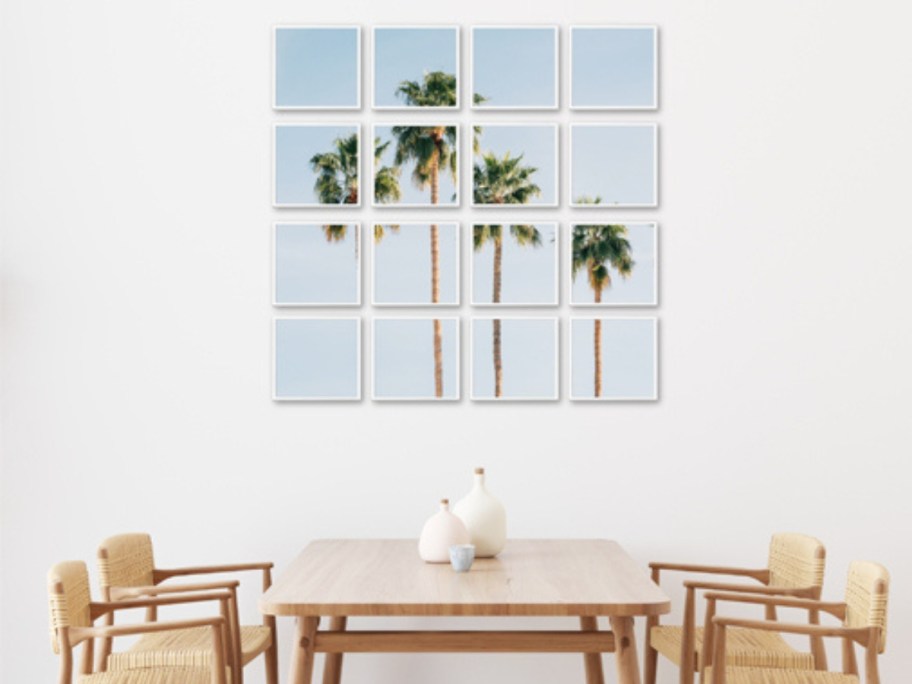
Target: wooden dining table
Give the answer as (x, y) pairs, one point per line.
(587, 579)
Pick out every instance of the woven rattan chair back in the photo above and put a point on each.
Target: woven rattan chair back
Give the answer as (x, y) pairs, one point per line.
(125, 560)
(866, 598)
(796, 561)
(70, 598)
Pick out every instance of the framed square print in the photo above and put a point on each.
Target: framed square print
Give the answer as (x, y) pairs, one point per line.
(415, 264)
(317, 67)
(316, 264)
(316, 165)
(514, 264)
(415, 359)
(416, 66)
(514, 67)
(416, 166)
(514, 359)
(317, 359)
(614, 67)
(614, 359)
(515, 165)
(613, 263)
(614, 165)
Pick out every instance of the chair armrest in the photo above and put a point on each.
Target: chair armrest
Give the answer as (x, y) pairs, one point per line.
(119, 593)
(107, 631)
(760, 574)
(835, 609)
(859, 634)
(99, 608)
(210, 569)
(747, 588)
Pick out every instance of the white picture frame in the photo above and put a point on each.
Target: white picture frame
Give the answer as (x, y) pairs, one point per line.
(279, 263)
(646, 232)
(405, 178)
(277, 181)
(651, 155)
(573, 78)
(551, 244)
(454, 243)
(378, 367)
(556, 158)
(328, 364)
(547, 375)
(473, 65)
(416, 27)
(276, 29)
(651, 354)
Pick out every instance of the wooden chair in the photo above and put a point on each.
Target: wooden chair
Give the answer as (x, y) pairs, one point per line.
(795, 568)
(127, 568)
(73, 614)
(864, 621)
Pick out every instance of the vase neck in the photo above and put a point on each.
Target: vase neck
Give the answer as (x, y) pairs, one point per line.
(479, 481)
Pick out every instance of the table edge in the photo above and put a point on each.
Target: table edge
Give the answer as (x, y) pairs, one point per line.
(464, 610)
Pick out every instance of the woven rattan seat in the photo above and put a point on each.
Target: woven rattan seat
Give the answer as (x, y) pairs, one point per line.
(745, 647)
(126, 566)
(163, 675)
(72, 617)
(186, 647)
(864, 621)
(755, 675)
(795, 566)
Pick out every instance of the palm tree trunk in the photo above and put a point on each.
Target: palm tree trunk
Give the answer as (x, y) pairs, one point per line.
(498, 352)
(498, 360)
(435, 280)
(597, 342)
(438, 359)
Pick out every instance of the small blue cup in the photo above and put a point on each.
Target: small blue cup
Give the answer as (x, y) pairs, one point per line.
(462, 556)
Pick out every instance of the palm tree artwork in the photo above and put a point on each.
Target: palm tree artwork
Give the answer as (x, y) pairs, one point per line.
(524, 235)
(432, 150)
(501, 180)
(597, 249)
(337, 172)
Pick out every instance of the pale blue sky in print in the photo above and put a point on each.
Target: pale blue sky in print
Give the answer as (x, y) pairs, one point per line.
(640, 286)
(515, 67)
(402, 264)
(537, 144)
(528, 274)
(529, 354)
(411, 194)
(309, 269)
(612, 67)
(406, 54)
(317, 358)
(616, 163)
(316, 67)
(403, 360)
(628, 358)
(294, 148)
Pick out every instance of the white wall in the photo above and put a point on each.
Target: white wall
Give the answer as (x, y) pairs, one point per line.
(136, 318)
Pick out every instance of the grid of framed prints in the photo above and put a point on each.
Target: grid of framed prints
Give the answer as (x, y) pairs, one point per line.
(448, 254)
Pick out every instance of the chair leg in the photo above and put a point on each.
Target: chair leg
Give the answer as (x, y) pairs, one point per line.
(650, 655)
(271, 657)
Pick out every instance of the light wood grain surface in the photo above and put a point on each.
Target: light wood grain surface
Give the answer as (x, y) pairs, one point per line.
(530, 577)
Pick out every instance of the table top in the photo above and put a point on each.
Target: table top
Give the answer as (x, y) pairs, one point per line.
(385, 577)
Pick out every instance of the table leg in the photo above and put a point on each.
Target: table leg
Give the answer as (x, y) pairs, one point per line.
(594, 673)
(625, 650)
(332, 669)
(302, 653)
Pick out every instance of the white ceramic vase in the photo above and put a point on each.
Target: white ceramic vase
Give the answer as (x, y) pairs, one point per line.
(485, 518)
(441, 531)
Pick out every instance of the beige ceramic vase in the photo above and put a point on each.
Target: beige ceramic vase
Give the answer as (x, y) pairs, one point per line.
(441, 531)
(485, 518)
